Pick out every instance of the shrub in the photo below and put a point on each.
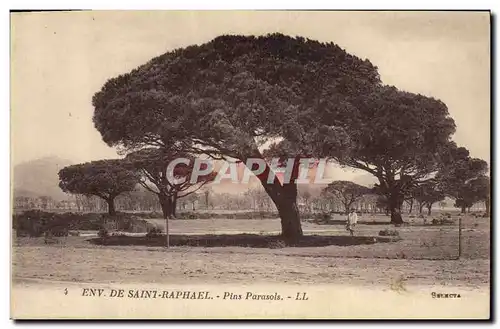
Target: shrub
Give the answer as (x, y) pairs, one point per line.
(388, 232)
(277, 244)
(154, 232)
(326, 216)
(235, 215)
(150, 214)
(103, 233)
(58, 230)
(401, 255)
(127, 223)
(442, 221)
(30, 223)
(49, 238)
(35, 222)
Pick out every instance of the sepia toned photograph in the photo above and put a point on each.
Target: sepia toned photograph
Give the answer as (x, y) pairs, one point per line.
(250, 165)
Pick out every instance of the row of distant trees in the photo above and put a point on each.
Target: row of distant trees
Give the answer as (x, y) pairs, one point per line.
(108, 179)
(339, 196)
(229, 97)
(472, 191)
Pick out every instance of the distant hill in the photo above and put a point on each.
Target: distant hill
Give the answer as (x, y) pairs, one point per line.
(39, 177)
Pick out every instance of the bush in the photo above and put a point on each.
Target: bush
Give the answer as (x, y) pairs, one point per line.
(278, 244)
(126, 222)
(235, 215)
(31, 223)
(154, 232)
(58, 231)
(211, 215)
(442, 221)
(103, 233)
(35, 222)
(326, 216)
(49, 238)
(151, 214)
(388, 232)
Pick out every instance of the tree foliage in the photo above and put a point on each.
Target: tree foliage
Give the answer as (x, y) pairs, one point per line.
(427, 195)
(399, 137)
(228, 97)
(104, 178)
(152, 165)
(464, 178)
(475, 190)
(382, 203)
(347, 192)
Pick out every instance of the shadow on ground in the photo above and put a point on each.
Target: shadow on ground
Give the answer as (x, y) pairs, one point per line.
(239, 240)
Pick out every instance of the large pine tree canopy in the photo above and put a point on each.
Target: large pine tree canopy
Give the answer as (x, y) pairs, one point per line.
(227, 94)
(299, 97)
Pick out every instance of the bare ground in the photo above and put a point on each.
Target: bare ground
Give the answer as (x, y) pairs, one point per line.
(426, 255)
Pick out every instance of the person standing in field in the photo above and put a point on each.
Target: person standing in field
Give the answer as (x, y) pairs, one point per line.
(352, 220)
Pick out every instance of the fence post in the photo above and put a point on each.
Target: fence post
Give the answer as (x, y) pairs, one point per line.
(459, 237)
(167, 232)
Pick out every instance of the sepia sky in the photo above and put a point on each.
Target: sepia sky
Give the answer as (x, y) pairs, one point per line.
(59, 60)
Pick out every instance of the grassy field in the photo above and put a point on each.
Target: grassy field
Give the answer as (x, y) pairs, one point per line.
(426, 254)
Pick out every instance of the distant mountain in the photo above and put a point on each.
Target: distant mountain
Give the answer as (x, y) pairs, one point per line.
(39, 178)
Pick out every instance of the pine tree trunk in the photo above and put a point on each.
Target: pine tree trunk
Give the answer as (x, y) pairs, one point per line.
(111, 206)
(346, 206)
(291, 229)
(285, 198)
(174, 205)
(394, 206)
(420, 207)
(166, 207)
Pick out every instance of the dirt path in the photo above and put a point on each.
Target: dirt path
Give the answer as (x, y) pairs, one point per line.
(231, 265)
